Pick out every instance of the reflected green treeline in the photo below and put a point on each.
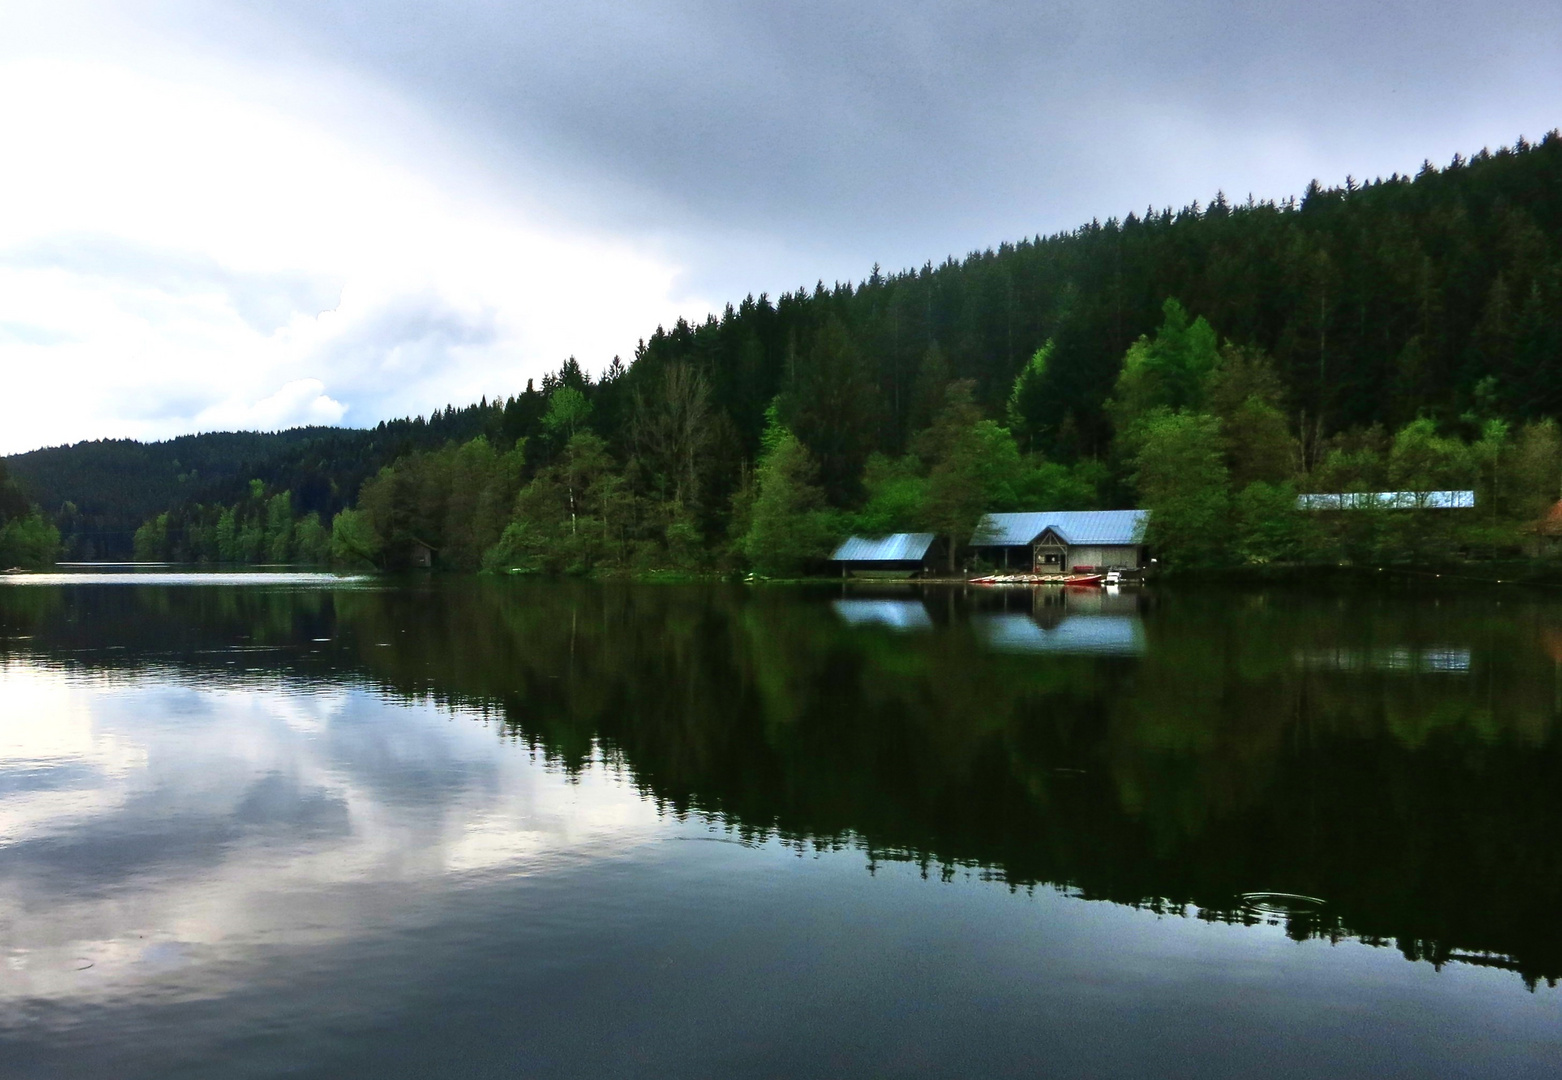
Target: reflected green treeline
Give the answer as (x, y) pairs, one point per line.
(1393, 755)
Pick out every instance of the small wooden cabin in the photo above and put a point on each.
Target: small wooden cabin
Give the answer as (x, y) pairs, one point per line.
(420, 555)
(899, 555)
(1063, 542)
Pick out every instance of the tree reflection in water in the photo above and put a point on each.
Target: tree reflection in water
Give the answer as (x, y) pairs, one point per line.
(1380, 766)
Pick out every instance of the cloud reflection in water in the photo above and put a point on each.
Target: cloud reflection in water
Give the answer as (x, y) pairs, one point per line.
(155, 838)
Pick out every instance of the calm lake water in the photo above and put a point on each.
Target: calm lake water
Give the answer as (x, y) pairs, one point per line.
(258, 826)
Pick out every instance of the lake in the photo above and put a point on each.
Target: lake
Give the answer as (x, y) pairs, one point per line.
(258, 826)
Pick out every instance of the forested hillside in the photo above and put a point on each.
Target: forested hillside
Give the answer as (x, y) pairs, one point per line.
(1404, 331)
(1378, 303)
(99, 492)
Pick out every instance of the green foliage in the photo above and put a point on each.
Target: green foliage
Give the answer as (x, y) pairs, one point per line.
(971, 465)
(1245, 392)
(1354, 461)
(29, 541)
(279, 527)
(311, 541)
(1027, 405)
(896, 492)
(776, 431)
(672, 431)
(252, 541)
(1258, 443)
(13, 500)
(528, 544)
(571, 518)
(263, 527)
(789, 526)
(353, 541)
(1529, 472)
(151, 540)
(568, 412)
(456, 500)
(834, 409)
(1420, 459)
(1269, 528)
(1054, 486)
(226, 536)
(1181, 475)
(1168, 371)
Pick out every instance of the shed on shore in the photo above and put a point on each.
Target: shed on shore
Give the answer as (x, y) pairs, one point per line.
(899, 555)
(1064, 541)
(421, 554)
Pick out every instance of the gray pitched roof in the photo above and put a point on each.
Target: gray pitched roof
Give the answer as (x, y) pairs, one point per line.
(897, 547)
(1073, 526)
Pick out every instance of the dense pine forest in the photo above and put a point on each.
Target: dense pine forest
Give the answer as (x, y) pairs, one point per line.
(101, 491)
(1206, 363)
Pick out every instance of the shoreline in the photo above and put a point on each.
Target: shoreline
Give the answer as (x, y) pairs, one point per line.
(1538, 572)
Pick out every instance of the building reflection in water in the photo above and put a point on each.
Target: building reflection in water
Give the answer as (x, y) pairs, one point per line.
(1099, 622)
(896, 614)
(1396, 659)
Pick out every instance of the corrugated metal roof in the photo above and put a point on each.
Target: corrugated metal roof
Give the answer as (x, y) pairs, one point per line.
(1073, 526)
(1390, 500)
(897, 547)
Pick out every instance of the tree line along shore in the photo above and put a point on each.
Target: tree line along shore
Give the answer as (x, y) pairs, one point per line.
(1208, 365)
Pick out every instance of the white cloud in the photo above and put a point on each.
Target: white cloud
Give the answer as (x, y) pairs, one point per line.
(197, 256)
(301, 402)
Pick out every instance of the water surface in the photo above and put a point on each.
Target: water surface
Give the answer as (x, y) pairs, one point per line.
(295, 826)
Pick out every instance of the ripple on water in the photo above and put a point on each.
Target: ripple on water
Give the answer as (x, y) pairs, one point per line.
(1283, 904)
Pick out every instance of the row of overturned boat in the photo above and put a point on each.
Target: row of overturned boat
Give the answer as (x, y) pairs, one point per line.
(1111, 578)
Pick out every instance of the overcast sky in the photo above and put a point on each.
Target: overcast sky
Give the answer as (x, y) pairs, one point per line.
(219, 214)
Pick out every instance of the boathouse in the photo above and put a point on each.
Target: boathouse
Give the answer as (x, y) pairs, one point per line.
(899, 555)
(420, 554)
(1063, 542)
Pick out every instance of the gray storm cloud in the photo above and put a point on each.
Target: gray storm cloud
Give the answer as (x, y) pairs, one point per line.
(901, 131)
(473, 191)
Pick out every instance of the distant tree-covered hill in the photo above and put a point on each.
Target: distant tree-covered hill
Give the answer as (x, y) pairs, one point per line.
(1342, 317)
(1378, 302)
(99, 492)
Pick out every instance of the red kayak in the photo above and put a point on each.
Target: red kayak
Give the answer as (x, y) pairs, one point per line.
(1085, 579)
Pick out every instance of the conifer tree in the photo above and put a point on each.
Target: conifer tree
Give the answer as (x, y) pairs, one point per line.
(788, 525)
